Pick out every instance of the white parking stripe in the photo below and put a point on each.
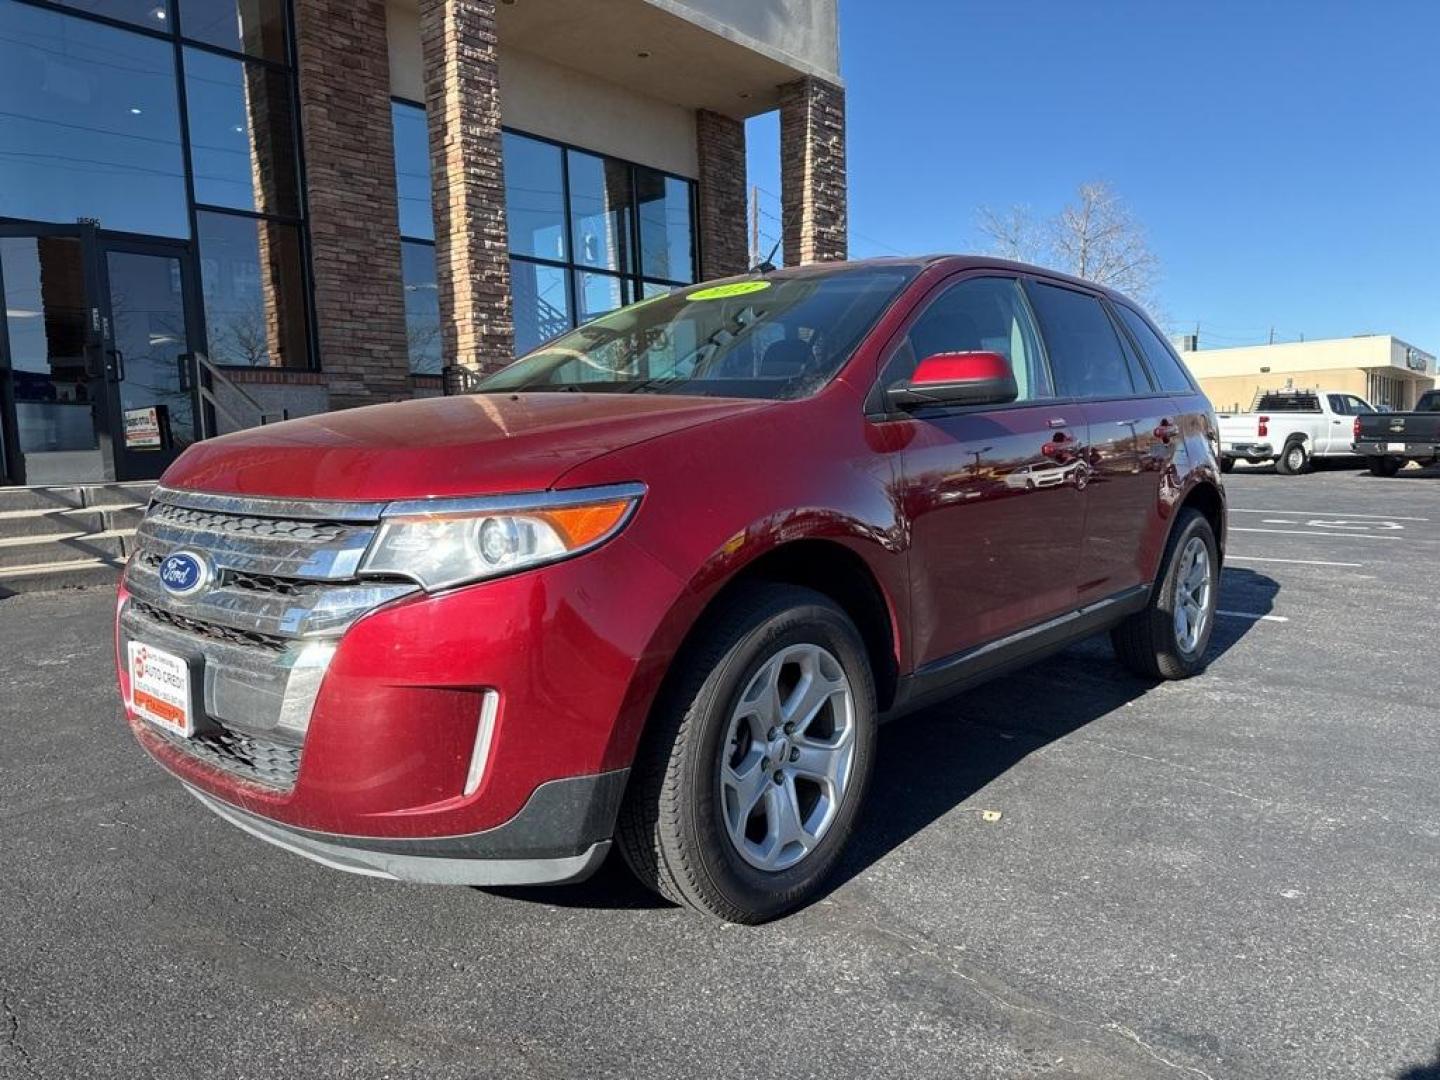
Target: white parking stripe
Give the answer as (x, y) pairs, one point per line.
(1252, 616)
(1323, 513)
(1297, 562)
(1316, 532)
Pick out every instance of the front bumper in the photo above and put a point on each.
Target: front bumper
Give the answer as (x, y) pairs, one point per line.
(1254, 453)
(562, 834)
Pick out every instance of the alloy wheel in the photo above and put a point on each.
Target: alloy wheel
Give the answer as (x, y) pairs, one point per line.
(787, 757)
(1193, 583)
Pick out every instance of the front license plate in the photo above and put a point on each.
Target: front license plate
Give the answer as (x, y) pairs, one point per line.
(160, 688)
(1395, 447)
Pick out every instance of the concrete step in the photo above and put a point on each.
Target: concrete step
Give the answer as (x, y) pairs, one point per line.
(18, 523)
(46, 577)
(74, 496)
(23, 551)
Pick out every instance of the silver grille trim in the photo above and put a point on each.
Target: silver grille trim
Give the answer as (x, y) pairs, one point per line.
(303, 509)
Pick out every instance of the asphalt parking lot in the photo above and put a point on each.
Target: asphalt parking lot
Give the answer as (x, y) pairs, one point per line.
(1232, 877)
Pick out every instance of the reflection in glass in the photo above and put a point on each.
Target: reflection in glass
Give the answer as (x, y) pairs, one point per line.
(156, 14)
(256, 27)
(599, 294)
(665, 226)
(412, 171)
(89, 125)
(147, 307)
(534, 198)
(422, 308)
(541, 303)
(241, 134)
(254, 289)
(650, 289)
(45, 315)
(600, 211)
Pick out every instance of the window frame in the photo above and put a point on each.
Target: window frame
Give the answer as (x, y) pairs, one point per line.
(1116, 305)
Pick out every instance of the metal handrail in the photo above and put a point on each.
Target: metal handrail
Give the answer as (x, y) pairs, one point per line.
(205, 376)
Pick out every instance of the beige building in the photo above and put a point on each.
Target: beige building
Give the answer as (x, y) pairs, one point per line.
(1377, 367)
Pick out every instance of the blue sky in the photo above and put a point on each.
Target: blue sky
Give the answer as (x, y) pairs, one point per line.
(1284, 158)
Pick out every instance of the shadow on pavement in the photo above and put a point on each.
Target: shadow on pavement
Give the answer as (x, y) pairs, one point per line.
(966, 743)
(1428, 1071)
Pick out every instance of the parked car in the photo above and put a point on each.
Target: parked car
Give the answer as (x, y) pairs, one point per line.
(1290, 427)
(656, 585)
(1390, 441)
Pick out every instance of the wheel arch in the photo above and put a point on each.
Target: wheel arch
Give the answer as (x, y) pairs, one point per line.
(1206, 498)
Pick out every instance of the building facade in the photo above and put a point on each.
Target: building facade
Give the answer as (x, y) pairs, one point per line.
(275, 207)
(1383, 370)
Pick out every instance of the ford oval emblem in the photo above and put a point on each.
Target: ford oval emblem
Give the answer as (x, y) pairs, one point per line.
(183, 573)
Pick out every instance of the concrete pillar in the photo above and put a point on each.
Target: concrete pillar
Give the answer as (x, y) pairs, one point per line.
(720, 144)
(462, 105)
(812, 171)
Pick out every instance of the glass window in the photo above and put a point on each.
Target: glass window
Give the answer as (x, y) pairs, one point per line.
(599, 294)
(1085, 351)
(541, 299)
(534, 197)
(778, 337)
(978, 315)
(156, 14)
(256, 27)
(90, 124)
(242, 134)
(654, 288)
(412, 171)
(1165, 365)
(254, 290)
(1337, 404)
(666, 226)
(1357, 406)
(599, 211)
(422, 308)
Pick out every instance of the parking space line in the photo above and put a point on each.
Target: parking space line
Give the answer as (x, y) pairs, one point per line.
(1316, 532)
(1252, 616)
(1324, 514)
(1297, 562)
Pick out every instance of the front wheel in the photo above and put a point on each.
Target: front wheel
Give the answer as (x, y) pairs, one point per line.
(751, 775)
(1168, 639)
(1384, 466)
(1292, 459)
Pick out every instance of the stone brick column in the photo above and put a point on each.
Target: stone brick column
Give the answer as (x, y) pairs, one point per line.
(720, 146)
(812, 170)
(462, 105)
(354, 220)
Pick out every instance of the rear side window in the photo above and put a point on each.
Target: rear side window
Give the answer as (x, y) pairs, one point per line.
(1338, 405)
(1292, 402)
(1429, 402)
(1085, 351)
(1168, 370)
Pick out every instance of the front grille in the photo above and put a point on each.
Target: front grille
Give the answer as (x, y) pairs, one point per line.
(317, 532)
(261, 760)
(272, 584)
(210, 630)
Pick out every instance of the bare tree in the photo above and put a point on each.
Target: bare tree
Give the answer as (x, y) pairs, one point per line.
(1095, 237)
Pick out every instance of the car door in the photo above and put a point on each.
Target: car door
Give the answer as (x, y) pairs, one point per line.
(1133, 436)
(994, 496)
(1340, 424)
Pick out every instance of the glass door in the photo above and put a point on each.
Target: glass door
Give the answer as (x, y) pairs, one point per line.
(52, 384)
(149, 287)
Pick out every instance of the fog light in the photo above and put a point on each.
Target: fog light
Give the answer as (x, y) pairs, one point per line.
(484, 734)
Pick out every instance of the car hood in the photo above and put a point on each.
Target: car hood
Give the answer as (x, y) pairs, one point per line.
(472, 444)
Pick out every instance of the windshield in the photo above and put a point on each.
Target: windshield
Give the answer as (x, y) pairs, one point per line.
(779, 337)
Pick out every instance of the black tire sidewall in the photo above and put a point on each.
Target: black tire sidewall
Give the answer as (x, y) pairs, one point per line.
(1173, 655)
(763, 893)
(1284, 464)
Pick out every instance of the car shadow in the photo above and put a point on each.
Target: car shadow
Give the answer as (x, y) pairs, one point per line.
(1429, 1070)
(967, 742)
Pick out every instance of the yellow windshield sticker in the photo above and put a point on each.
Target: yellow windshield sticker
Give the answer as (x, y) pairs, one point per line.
(723, 292)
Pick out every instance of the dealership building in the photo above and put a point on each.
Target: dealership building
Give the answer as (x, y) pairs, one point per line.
(214, 212)
(1379, 368)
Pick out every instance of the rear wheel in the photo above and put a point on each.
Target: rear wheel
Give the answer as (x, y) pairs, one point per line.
(1384, 466)
(750, 778)
(1292, 459)
(1168, 639)
(1227, 464)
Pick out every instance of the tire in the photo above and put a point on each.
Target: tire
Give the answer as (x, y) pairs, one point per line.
(1293, 460)
(1384, 466)
(677, 827)
(1149, 643)
(1227, 464)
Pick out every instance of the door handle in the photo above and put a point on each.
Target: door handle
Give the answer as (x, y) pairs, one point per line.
(1059, 422)
(1166, 430)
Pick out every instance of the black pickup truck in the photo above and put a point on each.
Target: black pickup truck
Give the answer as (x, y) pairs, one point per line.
(1392, 440)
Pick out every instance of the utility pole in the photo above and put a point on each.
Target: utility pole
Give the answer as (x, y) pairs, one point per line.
(1272, 335)
(754, 225)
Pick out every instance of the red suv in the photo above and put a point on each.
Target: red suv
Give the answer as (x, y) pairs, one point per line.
(656, 585)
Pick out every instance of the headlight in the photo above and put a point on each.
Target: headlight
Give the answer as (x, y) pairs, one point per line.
(445, 542)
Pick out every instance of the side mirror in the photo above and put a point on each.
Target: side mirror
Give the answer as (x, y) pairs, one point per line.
(957, 378)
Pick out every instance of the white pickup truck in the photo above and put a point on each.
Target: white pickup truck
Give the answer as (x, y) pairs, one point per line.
(1290, 427)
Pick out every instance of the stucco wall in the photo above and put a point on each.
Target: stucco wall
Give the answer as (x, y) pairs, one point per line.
(803, 32)
(1235, 393)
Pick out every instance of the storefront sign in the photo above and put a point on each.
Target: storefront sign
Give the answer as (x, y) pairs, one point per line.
(1416, 360)
(142, 429)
